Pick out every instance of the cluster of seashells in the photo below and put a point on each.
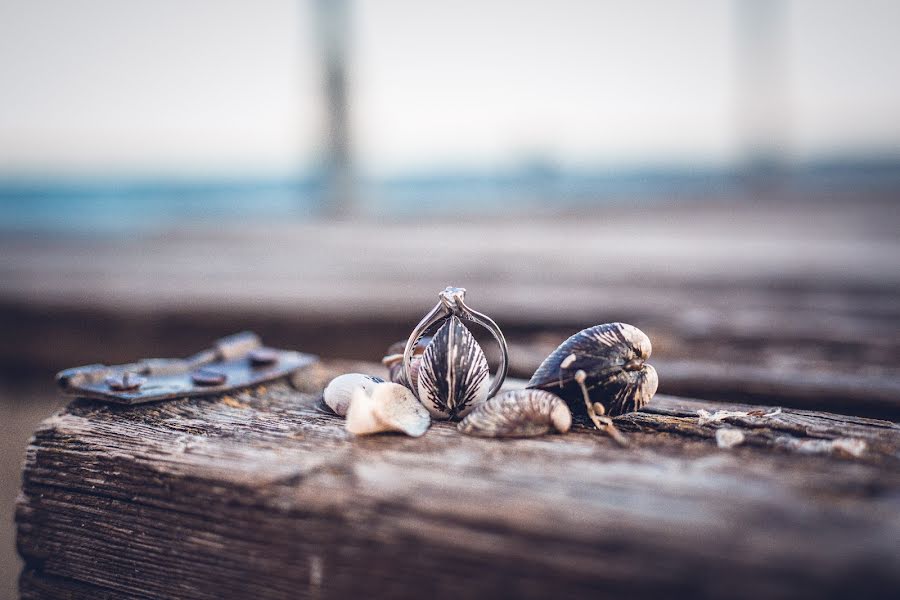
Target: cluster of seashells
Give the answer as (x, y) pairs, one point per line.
(598, 373)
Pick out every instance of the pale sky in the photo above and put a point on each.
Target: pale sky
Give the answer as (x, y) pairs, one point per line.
(213, 86)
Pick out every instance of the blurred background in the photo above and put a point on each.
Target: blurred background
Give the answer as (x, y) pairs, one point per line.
(723, 174)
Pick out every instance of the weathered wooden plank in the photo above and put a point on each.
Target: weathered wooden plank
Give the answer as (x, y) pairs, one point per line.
(830, 386)
(803, 274)
(843, 392)
(743, 301)
(261, 494)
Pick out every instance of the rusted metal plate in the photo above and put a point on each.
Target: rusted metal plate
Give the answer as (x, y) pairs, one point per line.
(234, 362)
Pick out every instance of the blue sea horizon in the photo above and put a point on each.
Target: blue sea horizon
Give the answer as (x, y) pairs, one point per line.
(85, 205)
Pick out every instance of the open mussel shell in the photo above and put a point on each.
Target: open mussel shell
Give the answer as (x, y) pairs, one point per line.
(338, 392)
(610, 360)
(518, 413)
(386, 407)
(393, 360)
(453, 375)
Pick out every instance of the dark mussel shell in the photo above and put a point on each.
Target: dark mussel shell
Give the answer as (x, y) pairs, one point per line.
(612, 357)
(453, 375)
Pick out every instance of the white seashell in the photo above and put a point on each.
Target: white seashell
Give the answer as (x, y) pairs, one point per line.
(453, 376)
(339, 390)
(518, 413)
(728, 437)
(386, 407)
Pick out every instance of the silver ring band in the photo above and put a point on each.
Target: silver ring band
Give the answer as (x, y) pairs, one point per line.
(452, 303)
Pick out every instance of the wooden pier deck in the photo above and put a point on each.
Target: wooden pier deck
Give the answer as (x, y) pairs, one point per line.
(750, 307)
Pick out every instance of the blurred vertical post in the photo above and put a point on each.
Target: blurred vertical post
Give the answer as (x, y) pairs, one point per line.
(762, 103)
(333, 20)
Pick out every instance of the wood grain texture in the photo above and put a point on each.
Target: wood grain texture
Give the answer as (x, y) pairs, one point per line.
(261, 495)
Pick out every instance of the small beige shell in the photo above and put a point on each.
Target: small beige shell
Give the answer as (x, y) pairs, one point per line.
(386, 407)
(339, 390)
(518, 413)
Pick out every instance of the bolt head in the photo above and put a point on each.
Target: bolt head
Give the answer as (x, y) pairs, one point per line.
(262, 357)
(126, 382)
(208, 377)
